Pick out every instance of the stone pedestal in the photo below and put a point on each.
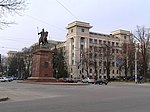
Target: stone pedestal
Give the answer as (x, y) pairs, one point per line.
(42, 66)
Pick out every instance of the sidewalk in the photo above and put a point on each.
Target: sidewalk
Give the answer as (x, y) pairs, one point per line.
(54, 83)
(132, 83)
(84, 84)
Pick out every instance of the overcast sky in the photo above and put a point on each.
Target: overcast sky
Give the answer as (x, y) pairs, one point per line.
(104, 15)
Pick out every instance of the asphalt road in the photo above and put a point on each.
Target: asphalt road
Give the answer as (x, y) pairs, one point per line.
(114, 97)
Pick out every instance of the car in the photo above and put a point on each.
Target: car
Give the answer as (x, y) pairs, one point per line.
(77, 79)
(61, 80)
(101, 81)
(3, 79)
(9, 78)
(70, 80)
(14, 78)
(88, 80)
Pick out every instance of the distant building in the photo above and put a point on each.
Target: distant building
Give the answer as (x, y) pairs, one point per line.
(11, 53)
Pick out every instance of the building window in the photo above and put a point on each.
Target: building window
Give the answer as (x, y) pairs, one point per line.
(100, 63)
(113, 64)
(117, 72)
(113, 72)
(82, 70)
(125, 37)
(72, 40)
(81, 47)
(71, 30)
(104, 63)
(100, 49)
(72, 47)
(82, 39)
(104, 71)
(100, 70)
(109, 43)
(95, 56)
(96, 63)
(71, 70)
(91, 48)
(100, 41)
(113, 43)
(72, 54)
(104, 42)
(117, 44)
(95, 41)
(90, 70)
(72, 62)
(91, 41)
(113, 51)
(82, 30)
(81, 55)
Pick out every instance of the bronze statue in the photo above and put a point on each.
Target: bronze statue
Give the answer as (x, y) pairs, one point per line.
(43, 38)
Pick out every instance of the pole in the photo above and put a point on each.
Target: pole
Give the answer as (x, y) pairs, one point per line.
(136, 65)
(38, 31)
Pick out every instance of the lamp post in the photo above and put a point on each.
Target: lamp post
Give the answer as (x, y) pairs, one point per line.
(136, 65)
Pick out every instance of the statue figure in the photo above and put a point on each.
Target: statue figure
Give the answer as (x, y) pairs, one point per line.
(43, 37)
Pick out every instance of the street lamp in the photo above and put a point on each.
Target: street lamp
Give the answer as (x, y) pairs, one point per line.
(135, 65)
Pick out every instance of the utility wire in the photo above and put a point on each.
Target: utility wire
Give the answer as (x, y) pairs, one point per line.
(7, 39)
(8, 48)
(45, 22)
(67, 9)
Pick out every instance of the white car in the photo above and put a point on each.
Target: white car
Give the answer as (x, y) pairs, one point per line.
(88, 80)
(8, 78)
(3, 79)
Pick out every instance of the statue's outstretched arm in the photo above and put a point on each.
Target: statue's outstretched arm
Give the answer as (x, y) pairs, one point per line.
(39, 33)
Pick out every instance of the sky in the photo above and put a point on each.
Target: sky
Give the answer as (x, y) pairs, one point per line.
(54, 15)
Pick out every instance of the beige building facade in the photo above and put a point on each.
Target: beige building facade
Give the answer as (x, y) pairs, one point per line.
(85, 51)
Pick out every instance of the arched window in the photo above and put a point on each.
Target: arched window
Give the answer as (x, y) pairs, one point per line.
(100, 70)
(117, 71)
(90, 70)
(113, 72)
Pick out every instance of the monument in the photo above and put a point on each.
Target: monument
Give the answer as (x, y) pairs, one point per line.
(42, 70)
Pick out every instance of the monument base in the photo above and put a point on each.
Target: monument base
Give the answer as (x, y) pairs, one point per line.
(42, 70)
(42, 79)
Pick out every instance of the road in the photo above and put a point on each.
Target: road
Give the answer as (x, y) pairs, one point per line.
(115, 97)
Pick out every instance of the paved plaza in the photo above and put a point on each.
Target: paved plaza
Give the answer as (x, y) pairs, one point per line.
(44, 97)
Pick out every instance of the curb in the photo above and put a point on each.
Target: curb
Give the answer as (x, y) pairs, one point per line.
(3, 99)
(51, 83)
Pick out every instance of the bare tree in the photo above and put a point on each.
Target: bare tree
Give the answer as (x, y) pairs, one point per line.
(10, 7)
(126, 56)
(142, 35)
(27, 57)
(108, 59)
(85, 62)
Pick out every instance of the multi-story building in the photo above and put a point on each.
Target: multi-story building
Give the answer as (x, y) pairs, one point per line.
(11, 54)
(84, 47)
